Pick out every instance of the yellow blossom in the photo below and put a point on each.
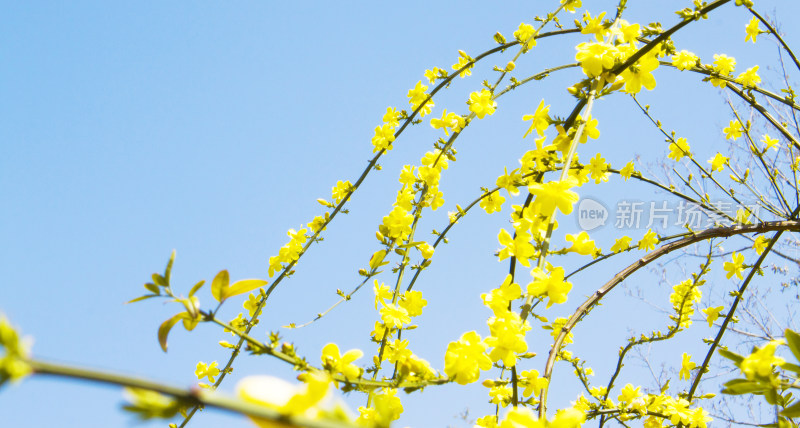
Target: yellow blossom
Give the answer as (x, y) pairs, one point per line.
(492, 203)
(464, 359)
(648, 241)
(718, 162)
(550, 284)
(463, 59)
(337, 363)
(684, 60)
(481, 103)
(621, 244)
(734, 130)
(712, 314)
(581, 244)
(679, 149)
(761, 361)
(207, 371)
(735, 266)
(760, 244)
(627, 171)
(687, 365)
(554, 194)
(525, 36)
(752, 30)
(540, 119)
(749, 78)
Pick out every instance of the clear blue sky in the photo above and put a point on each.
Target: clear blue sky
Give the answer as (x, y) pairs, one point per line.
(128, 130)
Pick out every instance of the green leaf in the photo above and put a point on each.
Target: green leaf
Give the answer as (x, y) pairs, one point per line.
(243, 286)
(168, 270)
(159, 280)
(165, 327)
(793, 339)
(742, 386)
(196, 288)
(792, 411)
(140, 298)
(791, 367)
(736, 358)
(152, 288)
(219, 285)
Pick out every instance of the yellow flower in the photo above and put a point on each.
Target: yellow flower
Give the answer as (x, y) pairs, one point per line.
(628, 394)
(463, 59)
(760, 244)
(251, 304)
(598, 169)
(621, 244)
(551, 285)
(594, 26)
(398, 223)
(507, 337)
(394, 316)
(760, 362)
(554, 194)
(524, 36)
(492, 203)
(206, 371)
(640, 74)
(712, 314)
(519, 246)
(340, 190)
(735, 266)
(724, 64)
(684, 60)
(734, 130)
(391, 117)
(481, 103)
(413, 303)
(686, 366)
(522, 417)
(417, 96)
(464, 359)
(532, 382)
(595, 57)
(679, 149)
(426, 250)
(752, 30)
(382, 292)
(337, 363)
(769, 141)
(648, 241)
(749, 78)
(627, 171)
(570, 5)
(718, 162)
(383, 138)
(540, 120)
(581, 244)
(628, 32)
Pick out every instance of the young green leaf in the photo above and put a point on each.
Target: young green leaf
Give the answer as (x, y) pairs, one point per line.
(736, 358)
(243, 286)
(166, 326)
(792, 411)
(793, 340)
(196, 288)
(742, 386)
(140, 298)
(219, 285)
(168, 270)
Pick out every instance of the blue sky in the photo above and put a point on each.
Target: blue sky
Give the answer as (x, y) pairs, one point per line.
(132, 129)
